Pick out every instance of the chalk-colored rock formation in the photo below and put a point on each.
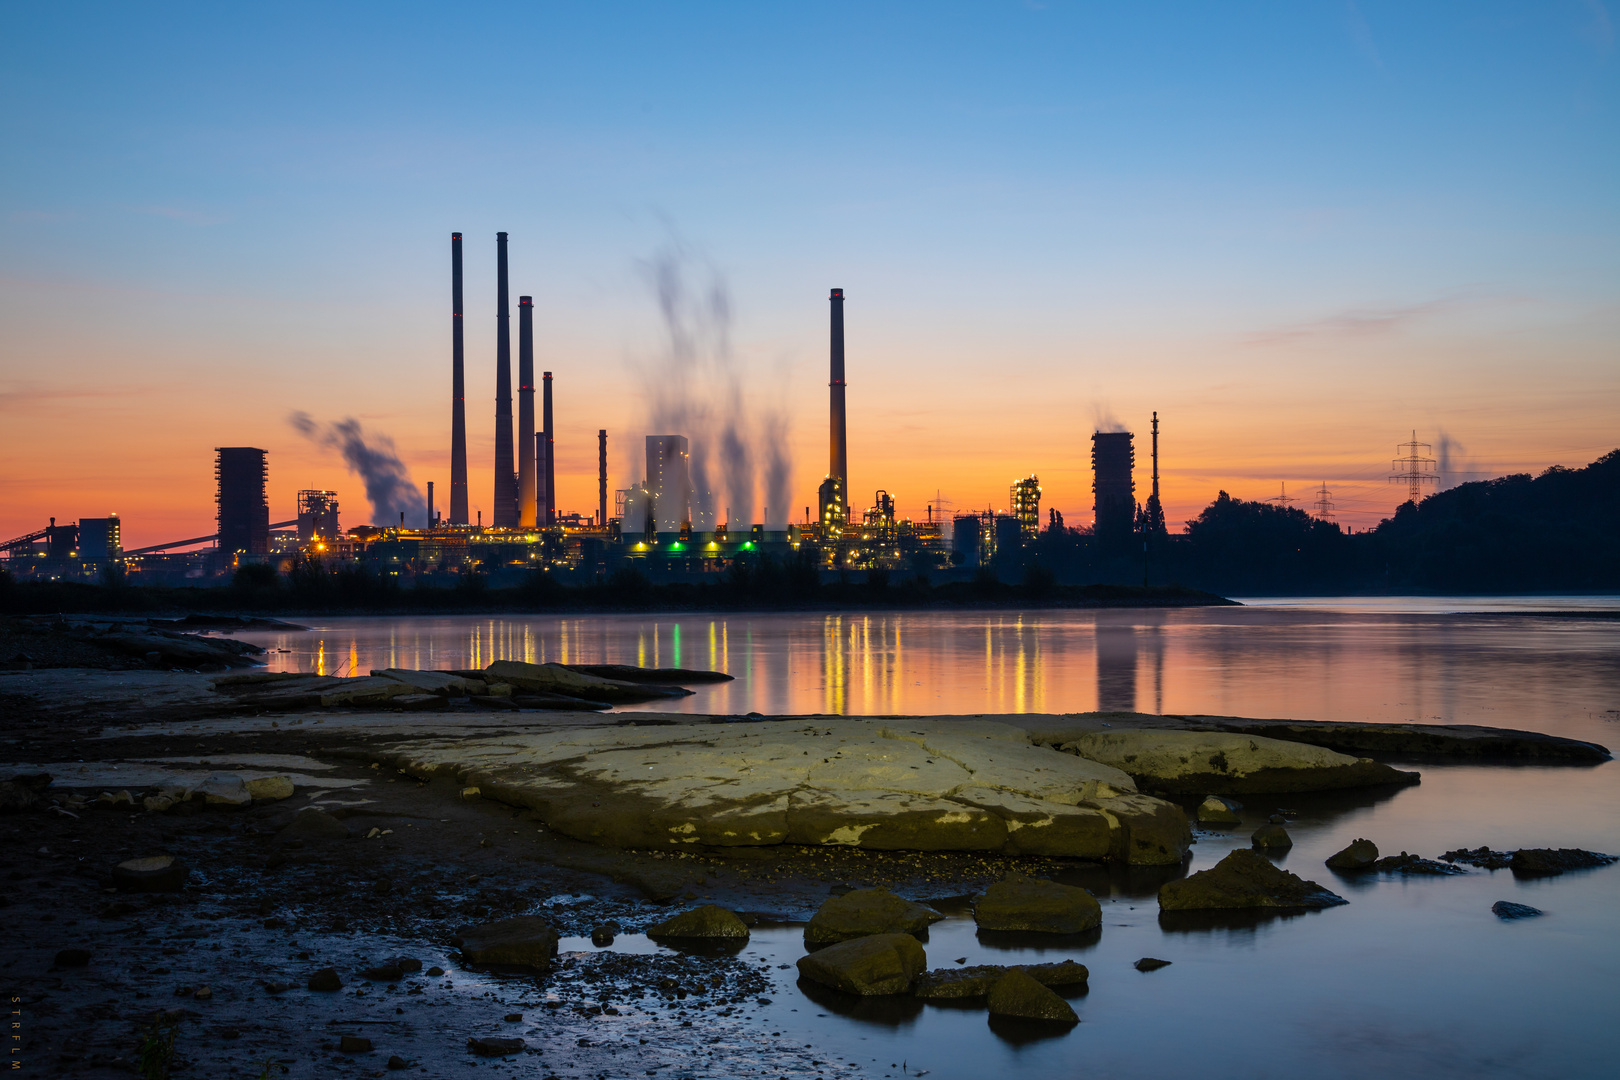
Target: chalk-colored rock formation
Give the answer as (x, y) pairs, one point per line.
(888, 785)
(1193, 762)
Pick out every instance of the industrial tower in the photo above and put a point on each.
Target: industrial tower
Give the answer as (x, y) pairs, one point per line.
(1414, 469)
(458, 394)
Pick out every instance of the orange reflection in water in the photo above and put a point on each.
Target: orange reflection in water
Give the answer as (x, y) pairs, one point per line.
(1507, 669)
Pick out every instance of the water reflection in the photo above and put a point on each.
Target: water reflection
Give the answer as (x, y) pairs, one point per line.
(1511, 670)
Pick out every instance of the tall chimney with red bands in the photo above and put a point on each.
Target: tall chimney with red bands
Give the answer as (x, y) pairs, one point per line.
(458, 394)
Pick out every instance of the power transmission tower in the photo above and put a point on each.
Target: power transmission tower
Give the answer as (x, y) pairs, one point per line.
(1415, 468)
(1283, 499)
(1324, 503)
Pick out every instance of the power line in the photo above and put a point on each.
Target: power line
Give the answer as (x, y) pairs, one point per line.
(1324, 502)
(1414, 468)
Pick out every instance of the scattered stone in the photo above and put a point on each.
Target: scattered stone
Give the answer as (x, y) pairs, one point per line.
(708, 921)
(513, 1018)
(1271, 837)
(157, 803)
(1482, 857)
(862, 912)
(1150, 963)
(389, 972)
(1018, 995)
(397, 1062)
(202, 993)
(1190, 762)
(408, 964)
(434, 972)
(1545, 862)
(113, 800)
(354, 1044)
(325, 981)
(1359, 855)
(276, 987)
(1412, 864)
(1215, 810)
(602, 936)
(470, 793)
(525, 941)
(1025, 903)
(224, 789)
(72, 958)
(1506, 909)
(968, 982)
(314, 824)
(496, 1046)
(871, 965)
(154, 874)
(270, 788)
(1244, 879)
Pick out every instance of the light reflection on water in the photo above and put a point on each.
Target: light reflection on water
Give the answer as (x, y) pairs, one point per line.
(1413, 977)
(1492, 667)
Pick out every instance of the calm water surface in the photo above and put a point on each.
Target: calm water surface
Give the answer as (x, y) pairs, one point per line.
(1413, 977)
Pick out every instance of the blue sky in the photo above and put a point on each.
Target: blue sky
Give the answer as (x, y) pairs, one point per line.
(1297, 230)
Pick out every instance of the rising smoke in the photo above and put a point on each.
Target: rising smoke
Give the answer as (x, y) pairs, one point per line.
(1103, 418)
(695, 388)
(388, 483)
(1454, 465)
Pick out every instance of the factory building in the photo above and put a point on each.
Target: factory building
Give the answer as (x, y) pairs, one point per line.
(243, 511)
(1112, 459)
(101, 539)
(317, 515)
(1024, 499)
(669, 483)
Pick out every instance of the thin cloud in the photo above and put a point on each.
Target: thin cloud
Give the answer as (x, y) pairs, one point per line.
(17, 398)
(1361, 34)
(1355, 323)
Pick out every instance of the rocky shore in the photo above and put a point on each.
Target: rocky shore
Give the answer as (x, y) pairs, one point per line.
(301, 884)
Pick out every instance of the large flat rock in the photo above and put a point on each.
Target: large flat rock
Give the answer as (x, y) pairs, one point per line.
(1194, 762)
(880, 784)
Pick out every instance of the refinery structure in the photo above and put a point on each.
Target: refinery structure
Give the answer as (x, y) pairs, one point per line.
(648, 527)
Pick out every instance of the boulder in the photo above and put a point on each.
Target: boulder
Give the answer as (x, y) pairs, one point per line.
(556, 679)
(1413, 864)
(223, 789)
(72, 958)
(1145, 831)
(1506, 909)
(1018, 995)
(525, 941)
(354, 1044)
(325, 981)
(708, 921)
(1215, 810)
(496, 1046)
(154, 874)
(1271, 837)
(1545, 862)
(1244, 879)
(1025, 903)
(1193, 762)
(968, 982)
(270, 788)
(863, 912)
(1482, 857)
(365, 690)
(1150, 963)
(440, 683)
(1359, 855)
(157, 803)
(930, 786)
(386, 972)
(313, 823)
(878, 964)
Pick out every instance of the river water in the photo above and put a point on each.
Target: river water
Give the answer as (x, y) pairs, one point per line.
(1414, 977)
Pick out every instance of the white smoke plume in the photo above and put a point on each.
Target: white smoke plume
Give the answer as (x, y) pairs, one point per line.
(695, 389)
(1103, 418)
(389, 487)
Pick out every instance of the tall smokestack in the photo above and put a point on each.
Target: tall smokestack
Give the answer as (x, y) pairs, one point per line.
(430, 504)
(838, 467)
(458, 394)
(601, 479)
(504, 513)
(526, 465)
(551, 455)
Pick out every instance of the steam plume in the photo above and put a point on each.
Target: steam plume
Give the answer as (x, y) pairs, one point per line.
(388, 482)
(1103, 418)
(695, 389)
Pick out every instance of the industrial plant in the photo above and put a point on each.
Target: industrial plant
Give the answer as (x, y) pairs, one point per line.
(651, 527)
